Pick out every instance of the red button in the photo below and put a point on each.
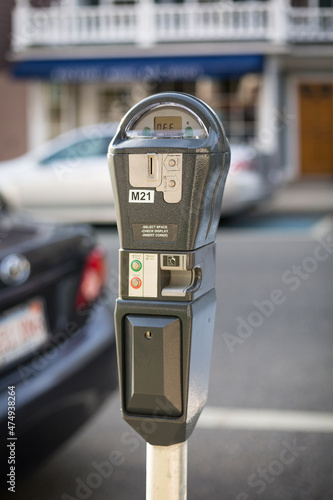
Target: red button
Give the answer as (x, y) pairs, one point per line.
(136, 282)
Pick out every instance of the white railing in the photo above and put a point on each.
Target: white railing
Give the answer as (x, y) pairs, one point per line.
(146, 23)
(73, 25)
(309, 23)
(216, 21)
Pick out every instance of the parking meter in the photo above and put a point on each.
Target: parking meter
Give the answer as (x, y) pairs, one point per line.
(168, 164)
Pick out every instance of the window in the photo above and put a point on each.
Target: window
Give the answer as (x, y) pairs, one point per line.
(299, 3)
(59, 108)
(88, 148)
(113, 104)
(89, 2)
(235, 101)
(238, 106)
(43, 3)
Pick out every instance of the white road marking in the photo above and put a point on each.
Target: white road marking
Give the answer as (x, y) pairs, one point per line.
(268, 236)
(316, 230)
(323, 227)
(268, 420)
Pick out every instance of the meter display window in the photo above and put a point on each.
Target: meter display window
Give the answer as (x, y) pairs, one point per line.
(168, 121)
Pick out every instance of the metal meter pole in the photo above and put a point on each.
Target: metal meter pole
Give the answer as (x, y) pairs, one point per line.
(166, 472)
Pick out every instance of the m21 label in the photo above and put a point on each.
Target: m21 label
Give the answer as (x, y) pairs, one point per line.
(141, 196)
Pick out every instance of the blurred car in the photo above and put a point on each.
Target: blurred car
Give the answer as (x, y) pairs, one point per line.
(67, 178)
(253, 177)
(57, 342)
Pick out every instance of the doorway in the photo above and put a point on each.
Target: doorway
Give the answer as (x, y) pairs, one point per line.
(316, 128)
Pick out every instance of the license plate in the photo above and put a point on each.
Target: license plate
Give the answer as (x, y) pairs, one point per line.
(22, 330)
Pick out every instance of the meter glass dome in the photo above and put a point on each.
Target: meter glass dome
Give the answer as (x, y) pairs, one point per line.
(167, 121)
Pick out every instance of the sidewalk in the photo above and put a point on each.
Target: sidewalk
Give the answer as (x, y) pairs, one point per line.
(301, 197)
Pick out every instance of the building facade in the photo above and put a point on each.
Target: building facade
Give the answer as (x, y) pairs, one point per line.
(13, 99)
(266, 67)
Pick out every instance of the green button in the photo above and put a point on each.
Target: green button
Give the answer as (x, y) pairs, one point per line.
(189, 132)
(136, 265)
(146, 132)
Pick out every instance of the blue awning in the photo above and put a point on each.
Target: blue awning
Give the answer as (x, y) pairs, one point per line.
(152, 69)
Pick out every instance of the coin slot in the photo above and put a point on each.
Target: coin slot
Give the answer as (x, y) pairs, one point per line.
(152, 167)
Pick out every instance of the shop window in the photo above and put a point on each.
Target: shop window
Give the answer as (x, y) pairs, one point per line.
(238, 107)
(187, 87)
(90, 3)
(117, 2)
(113, 104)
(60, 108)
(299, 3)
(235, 100)
(44, 3)
(169, 1)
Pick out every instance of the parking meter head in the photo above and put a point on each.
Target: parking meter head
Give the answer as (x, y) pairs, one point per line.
(168, 163)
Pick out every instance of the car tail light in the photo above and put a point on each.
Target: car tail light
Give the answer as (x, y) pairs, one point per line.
(241, 166)
(92, 279)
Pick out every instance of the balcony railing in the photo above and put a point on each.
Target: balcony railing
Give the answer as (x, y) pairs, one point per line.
(315, 24)
(73, 26)
(147, 23)
(216, 21)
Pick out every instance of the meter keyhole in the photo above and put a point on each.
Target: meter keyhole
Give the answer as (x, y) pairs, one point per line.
(148, 335)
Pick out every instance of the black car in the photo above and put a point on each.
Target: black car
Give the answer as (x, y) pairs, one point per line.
(57, 343)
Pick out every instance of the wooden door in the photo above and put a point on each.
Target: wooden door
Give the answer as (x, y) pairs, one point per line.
(316, 128)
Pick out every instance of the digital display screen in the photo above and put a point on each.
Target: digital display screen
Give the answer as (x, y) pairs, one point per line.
(167, 123)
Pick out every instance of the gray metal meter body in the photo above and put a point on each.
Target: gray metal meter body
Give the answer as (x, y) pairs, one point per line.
(168, 163)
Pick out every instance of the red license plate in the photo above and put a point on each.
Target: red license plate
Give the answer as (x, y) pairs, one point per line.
(22, 330)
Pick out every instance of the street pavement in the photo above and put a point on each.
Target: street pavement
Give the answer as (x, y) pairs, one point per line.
(267, 431)
(307, 195)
